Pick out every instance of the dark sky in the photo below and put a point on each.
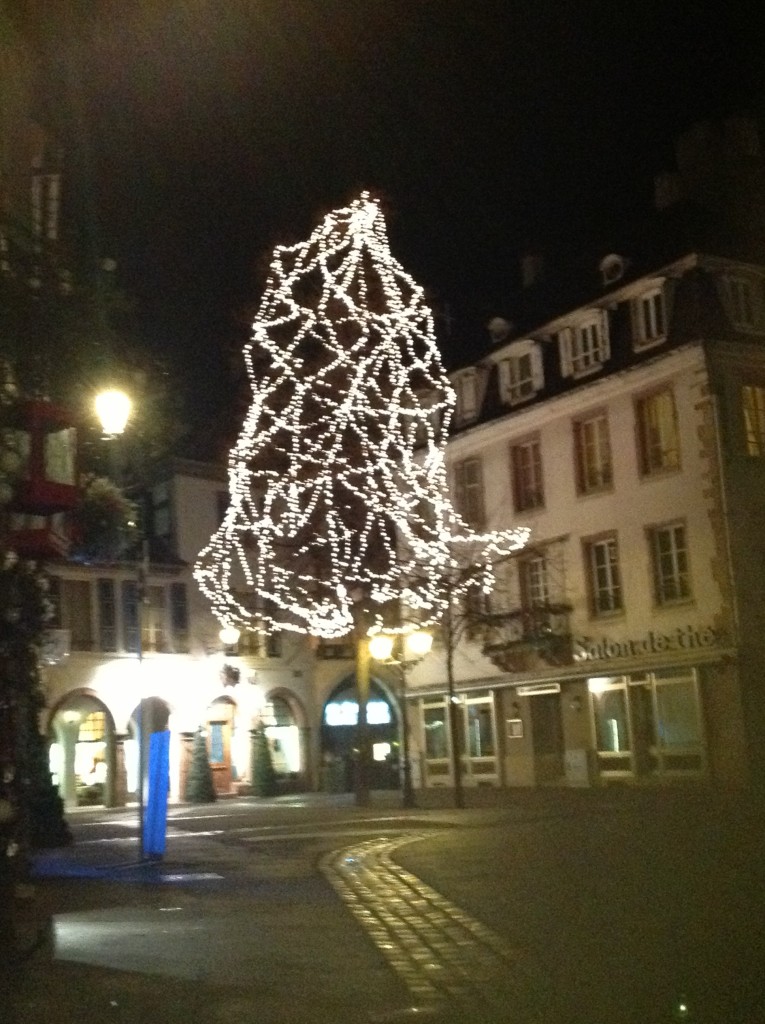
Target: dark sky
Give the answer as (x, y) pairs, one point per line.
(222, 127)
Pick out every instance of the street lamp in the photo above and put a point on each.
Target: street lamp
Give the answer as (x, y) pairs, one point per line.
(381, 647)
(113, 408)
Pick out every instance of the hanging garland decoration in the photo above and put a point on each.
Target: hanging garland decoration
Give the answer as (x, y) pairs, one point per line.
(338, 489)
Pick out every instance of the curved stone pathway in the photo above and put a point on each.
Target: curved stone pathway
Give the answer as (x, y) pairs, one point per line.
(441, 953)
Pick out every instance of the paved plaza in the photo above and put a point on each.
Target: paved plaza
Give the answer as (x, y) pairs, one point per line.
(565, 907)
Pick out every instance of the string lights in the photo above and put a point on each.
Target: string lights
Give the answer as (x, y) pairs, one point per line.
(338, 489)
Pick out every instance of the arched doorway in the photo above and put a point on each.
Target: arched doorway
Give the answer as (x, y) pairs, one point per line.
(157, 715)
(82, 751)
(338, 737)
(282, 717)
(221, 716)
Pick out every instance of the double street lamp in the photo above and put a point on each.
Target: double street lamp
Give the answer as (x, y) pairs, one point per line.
(402, 650)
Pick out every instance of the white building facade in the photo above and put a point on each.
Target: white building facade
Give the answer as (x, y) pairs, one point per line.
(622, 643)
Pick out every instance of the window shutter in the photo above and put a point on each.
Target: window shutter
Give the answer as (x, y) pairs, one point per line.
(505, 379)
(605, 347)
(537, 370)
(564, 345)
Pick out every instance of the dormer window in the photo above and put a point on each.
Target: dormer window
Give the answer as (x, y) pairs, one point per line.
(466, 386)
(520, 373)
(584, 346)
(649, 318)
(742, 295)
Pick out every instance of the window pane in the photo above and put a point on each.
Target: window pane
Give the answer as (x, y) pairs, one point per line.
(659, 443)
(179, 617)
(480, 730)
(670, 555)
(678, 713)
(107, 616)
(611, 726)
(436, 735)
(604, 576)
(593, 453)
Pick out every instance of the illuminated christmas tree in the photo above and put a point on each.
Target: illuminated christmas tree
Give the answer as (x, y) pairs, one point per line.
(338, 482)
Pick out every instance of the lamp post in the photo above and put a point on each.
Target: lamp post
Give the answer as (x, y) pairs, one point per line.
(113, 408)
(381, 648)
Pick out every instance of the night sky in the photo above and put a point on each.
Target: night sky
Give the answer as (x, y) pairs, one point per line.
(219, 128)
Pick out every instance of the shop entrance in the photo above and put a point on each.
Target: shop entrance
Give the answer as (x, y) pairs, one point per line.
(82, 752)
(547, 737)
(338, 738)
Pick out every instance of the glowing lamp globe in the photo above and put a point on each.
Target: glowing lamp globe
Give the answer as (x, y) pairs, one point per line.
(419, 643)
(113, 410)
(229, 636)
(381, 647)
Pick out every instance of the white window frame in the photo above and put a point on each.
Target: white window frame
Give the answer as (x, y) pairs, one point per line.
(469, 491)
(649, 317)
(521, 374)
(531, 494)
(585, 345)
(604, 576)
(534, 581)
(592, 438)
(659, 441)
(675, 557)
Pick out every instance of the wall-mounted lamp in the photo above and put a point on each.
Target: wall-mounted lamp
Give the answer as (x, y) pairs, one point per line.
(575, 703)
(515, 709)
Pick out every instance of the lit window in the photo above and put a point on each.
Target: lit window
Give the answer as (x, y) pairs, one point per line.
(658, 439)
(753, 406)
(520, 373)
(584, 347)
(526, 468)
(649, 318)
(670, 563)
(468, 492)
(592, 450)
(603, 576)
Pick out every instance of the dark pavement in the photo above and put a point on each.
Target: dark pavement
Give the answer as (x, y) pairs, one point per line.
(595, 906)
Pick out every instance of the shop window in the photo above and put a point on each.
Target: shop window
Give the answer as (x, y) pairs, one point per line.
(526, 470)
(679, 725)
(753, 409)
(657, 432)
(612, 722)
(592, 454)
(480, 728)
(669, 555)
(92, 728)
(436, 731)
